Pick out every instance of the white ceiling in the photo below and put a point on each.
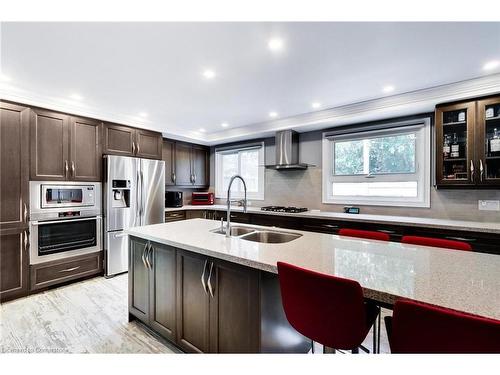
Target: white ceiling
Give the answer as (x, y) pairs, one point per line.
(122, 69)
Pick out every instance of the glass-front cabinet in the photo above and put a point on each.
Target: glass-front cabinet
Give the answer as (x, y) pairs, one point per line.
(488, 141)
(455, 125)
(468, 143)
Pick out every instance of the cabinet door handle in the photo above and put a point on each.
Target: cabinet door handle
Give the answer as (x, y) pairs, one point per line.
(66, 169)
(481, 169)
(194, 178)
(203, 277)
(147, 257)
(143, 255)
(73, 169)
(472, 171)
(70, 269)
(25, 213)
(26, 243)
(138, 148)
(210, 288)
(133, 148)
(173, 177)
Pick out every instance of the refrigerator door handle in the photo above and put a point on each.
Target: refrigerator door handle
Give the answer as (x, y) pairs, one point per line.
(137, 195)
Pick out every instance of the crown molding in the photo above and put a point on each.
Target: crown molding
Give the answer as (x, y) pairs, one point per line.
(409, 103)
(19, 95)
(376, 109)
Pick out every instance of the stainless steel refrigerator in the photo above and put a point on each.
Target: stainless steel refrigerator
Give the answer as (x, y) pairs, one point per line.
(134, 195)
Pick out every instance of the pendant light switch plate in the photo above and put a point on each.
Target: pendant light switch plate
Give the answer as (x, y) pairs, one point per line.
(488, 205)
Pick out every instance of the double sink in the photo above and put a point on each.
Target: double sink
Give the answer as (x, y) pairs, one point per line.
(258, 234)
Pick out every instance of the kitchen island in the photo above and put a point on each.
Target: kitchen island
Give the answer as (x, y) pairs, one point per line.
(206, 292)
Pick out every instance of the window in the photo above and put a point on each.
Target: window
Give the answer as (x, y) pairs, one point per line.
(247, 161)
(389, 166)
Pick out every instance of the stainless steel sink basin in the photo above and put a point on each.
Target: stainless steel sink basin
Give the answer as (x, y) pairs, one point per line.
(267, 236)
(235, 231)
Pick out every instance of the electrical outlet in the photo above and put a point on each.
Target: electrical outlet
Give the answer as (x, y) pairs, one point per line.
(488, 205)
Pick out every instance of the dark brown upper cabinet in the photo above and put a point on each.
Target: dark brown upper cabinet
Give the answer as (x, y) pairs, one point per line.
(85, 149)
(168, 156)
(14, 166)
(183, 173)
(49, 136)
(126, 141)
(191, 165)
(64, 147)
(199, 157)
(488, 141)
(468, 143)
(148, 144)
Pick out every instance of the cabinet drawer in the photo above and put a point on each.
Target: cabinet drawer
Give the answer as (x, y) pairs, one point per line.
(175, 216)
(51, 273)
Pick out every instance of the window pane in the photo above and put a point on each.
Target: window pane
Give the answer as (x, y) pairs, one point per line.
(394, 154)
(348, 158)
(229, 169)
(375, 189)
(250, 169)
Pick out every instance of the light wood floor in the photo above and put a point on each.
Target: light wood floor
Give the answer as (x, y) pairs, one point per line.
(90, 316)
(86, 317)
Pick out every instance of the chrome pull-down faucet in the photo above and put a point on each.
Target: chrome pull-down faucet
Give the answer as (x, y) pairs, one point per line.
(243, 201)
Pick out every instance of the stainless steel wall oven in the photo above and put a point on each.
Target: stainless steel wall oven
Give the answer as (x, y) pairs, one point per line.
(65, 220)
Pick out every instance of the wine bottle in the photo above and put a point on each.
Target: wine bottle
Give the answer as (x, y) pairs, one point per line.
(455, 147)
(495, 143)
(446, 146)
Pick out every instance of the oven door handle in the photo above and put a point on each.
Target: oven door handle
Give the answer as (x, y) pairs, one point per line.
(63, 221)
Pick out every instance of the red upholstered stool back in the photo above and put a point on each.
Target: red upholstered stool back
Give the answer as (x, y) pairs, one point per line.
(327, 309)
(369, 234)
(422, 328)
(437, 242)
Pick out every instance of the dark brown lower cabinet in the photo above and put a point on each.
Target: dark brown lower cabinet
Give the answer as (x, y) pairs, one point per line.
(162, 290)
(152, 285)
(193, 303)
(138, 280)
(203, 305)
(14, 264)
(234, 309)
(55, 272)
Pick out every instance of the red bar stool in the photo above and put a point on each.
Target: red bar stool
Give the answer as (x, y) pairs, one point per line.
(369, 234)
(437, 242)
(420, 328)
(327, 309)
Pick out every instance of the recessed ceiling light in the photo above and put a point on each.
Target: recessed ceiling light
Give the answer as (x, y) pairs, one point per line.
(76, 96)
(4, 78)
(201, 130)
(273, 114)
(275, 44)
(316, 105)
(490, 65)
(388, 88)
(224, 124)
(209, 74)
(143, 114)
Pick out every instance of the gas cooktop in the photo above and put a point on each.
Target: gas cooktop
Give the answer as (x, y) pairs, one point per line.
(284, 209)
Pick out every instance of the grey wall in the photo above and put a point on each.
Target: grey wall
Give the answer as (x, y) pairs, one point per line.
(303, 188)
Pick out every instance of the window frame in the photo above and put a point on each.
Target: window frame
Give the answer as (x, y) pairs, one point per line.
(422, 175)
(220, 193)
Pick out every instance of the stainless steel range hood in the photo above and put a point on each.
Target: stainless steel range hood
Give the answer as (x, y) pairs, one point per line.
(287, 151)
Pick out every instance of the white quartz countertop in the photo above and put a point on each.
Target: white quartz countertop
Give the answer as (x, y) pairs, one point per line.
(461, 280)
(471, 226)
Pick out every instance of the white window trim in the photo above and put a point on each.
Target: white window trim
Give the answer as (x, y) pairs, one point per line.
(219, 193)
(423, 168)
